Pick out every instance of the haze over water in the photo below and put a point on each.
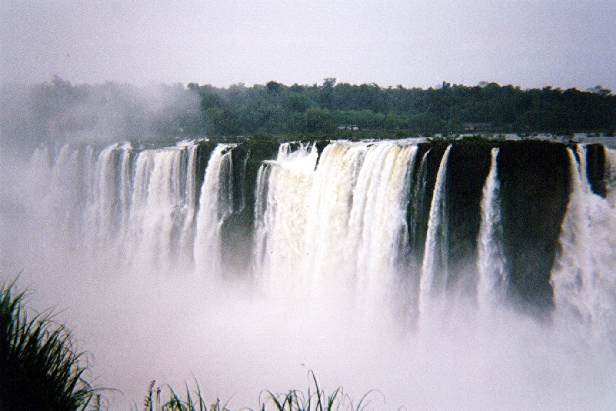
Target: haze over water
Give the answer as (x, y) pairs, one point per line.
(111, 237)
(327, 294)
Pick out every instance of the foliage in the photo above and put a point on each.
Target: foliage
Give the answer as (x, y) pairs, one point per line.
(314, 400)
(59, 111)
(193, 401)
(318, 400)
(279, 109)
(39, 366)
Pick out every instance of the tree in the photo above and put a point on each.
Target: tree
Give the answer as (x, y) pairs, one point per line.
(319, 120)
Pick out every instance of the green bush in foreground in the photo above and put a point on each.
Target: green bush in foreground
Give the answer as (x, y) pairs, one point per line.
(39, 367)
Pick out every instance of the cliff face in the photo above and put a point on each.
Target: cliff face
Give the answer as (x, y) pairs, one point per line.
(535, 186)
(534, 179)
(122, 185)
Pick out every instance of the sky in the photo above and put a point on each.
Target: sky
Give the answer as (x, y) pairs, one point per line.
(415, 43)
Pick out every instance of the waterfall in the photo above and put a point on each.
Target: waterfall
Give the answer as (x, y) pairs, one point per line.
(64, 174)
(157, 215)
(332, 198)
(429, 270)
(187, 233)
(382, 210)
(337, 226)
(126, 174)
(491, 264)
(215, 204)
(104, 202)
(418, 200)
(364, 218)
(141, 182)
(123, 205)
(263, 223)
(583, 277)
(434, 267)
(283, 201)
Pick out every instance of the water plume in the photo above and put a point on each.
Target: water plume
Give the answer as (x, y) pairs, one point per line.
(353, 246)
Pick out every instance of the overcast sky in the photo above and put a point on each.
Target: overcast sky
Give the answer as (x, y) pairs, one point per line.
(530, 43)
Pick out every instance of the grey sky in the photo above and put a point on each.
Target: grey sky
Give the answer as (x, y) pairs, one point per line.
(415, 43)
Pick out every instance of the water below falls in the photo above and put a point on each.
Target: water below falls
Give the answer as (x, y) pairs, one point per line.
(448, 276)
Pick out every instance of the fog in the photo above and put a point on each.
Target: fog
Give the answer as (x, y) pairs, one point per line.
(58, 112)
(173, 327)
(237, 337)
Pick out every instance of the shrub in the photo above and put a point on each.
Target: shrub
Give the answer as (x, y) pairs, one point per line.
(39, 366)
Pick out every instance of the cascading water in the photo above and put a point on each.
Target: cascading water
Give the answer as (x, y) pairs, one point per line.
(368, 230)
(339, 225)
(347, 218)
(215, 204)
(418, 198)
(283, 201)
(187, 232)
(583, 278)
(105, 201)
(383, 229)
(434, 270)
(158, 207)
(125, 187)
(491, 264)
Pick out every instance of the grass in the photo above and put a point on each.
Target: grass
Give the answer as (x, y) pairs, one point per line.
(315, 399)
(40, 368)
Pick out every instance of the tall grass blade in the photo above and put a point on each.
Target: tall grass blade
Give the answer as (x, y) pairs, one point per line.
(40, 368)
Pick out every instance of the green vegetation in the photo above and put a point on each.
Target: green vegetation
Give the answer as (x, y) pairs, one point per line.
(41, 370)
(39, 366)
(59, 112)
(318, 400)
(313, 400)
(351, 110)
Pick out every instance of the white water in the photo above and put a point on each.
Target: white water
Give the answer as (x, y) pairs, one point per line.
(215, 204)
(157, 211)
(329, 231)
(435, 255)
(187, 233)
(583, 280)
(338, 227)
(383, 229)
(491, 261)
(282, 225)
(104, 213)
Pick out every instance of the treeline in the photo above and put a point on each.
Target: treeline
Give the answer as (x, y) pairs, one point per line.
(59, 111)
(275, 108)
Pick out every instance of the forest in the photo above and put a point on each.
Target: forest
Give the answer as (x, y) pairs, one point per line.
(59, 111)
(279, 109)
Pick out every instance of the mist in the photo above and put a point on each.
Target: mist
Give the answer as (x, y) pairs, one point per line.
(237, 334)
(170, 330)
(58, 112)
(175, 327)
